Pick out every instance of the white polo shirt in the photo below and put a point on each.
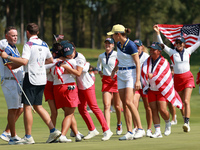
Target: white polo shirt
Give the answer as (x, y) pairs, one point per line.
(36, 51)
(84, 81)
(180, 60)
(107, 62)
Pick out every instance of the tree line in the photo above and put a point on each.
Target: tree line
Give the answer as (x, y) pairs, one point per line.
(86, 22)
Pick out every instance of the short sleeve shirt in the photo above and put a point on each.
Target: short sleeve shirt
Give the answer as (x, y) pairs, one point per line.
(36, 51)
(125, 52)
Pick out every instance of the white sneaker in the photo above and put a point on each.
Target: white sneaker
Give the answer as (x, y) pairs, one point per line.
(5, 136)
(127, 136)
(78, 138)
(26, 140)
(149, 133)
(156, 135)
(119, 129)
(167, 129)
(73, 135)
(186, 127)
(91, 134)
(17, 137)
(106, 135)
(139, 134)
(173, 122)
(53, 136)
(64, 139)
(13, 140)
(134, 131)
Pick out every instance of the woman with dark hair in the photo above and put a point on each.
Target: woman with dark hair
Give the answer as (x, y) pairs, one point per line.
(106, 63)
(157, 100)
(128, 78)
(183, 78)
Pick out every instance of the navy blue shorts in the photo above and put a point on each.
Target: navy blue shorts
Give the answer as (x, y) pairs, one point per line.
(33, 92)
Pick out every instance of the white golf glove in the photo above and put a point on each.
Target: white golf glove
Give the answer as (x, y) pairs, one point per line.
(3, 44)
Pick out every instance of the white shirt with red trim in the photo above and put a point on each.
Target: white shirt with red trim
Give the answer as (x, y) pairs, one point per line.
(107, 64)
(36, 51)
(67, 78)
(84, 81)
(180, 65)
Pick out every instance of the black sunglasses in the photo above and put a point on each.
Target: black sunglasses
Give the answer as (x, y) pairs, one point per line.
(179, 42)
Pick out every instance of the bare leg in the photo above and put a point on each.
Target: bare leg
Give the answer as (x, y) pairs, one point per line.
(117, 105)
(127, 113)
(148, 112)
(67, 121)
(54, 112)
(107, 96)
(74, 125)
(44, 115)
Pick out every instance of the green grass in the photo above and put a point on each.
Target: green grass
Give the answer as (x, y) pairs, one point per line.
(177, 140)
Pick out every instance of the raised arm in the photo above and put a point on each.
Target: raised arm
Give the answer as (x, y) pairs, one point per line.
(167, 49)
(193, 47)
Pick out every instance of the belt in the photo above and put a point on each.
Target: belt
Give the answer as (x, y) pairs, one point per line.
(127, 68)
(9, 78)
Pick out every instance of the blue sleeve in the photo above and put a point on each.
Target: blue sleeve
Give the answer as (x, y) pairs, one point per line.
(131, 48)
(8, 51)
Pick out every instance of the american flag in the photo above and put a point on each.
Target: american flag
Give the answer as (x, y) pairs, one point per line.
(58, 37)
(189, 32)
(163, 80)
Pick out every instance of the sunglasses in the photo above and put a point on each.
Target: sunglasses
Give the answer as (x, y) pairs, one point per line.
(178, 42)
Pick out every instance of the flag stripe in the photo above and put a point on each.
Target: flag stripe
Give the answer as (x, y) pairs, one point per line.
(189, 32)
(163, 80)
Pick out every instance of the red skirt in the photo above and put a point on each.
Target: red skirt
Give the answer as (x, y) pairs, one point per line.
(48, 91)
(65, 97)
(182, 81)
(109, 85)
(140, 91)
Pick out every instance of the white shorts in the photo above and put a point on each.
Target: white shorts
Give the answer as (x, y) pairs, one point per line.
(12, 94)
(126, 78)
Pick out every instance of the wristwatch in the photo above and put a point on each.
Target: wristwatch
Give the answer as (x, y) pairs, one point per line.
(8, 57)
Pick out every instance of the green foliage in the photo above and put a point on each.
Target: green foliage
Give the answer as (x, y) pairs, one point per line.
(88, 21)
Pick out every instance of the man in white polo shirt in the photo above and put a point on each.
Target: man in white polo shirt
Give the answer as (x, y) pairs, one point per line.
(35, 55)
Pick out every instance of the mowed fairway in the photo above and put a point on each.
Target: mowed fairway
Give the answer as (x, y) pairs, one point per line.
(177, 140)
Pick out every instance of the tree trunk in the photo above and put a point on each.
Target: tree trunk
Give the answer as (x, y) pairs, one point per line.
(60, 18)
(15, 12)
(99, 40)
(22, 23)
(92, 29)
(53, 19)
(82, 32)
(138, 22)
(8, 19)
(42, 21)
(74, 23)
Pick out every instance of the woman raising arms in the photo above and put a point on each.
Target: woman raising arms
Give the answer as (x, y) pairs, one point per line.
(183, 78)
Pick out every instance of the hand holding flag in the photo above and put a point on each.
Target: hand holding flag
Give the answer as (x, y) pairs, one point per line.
(58, 37)
(189, 32)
